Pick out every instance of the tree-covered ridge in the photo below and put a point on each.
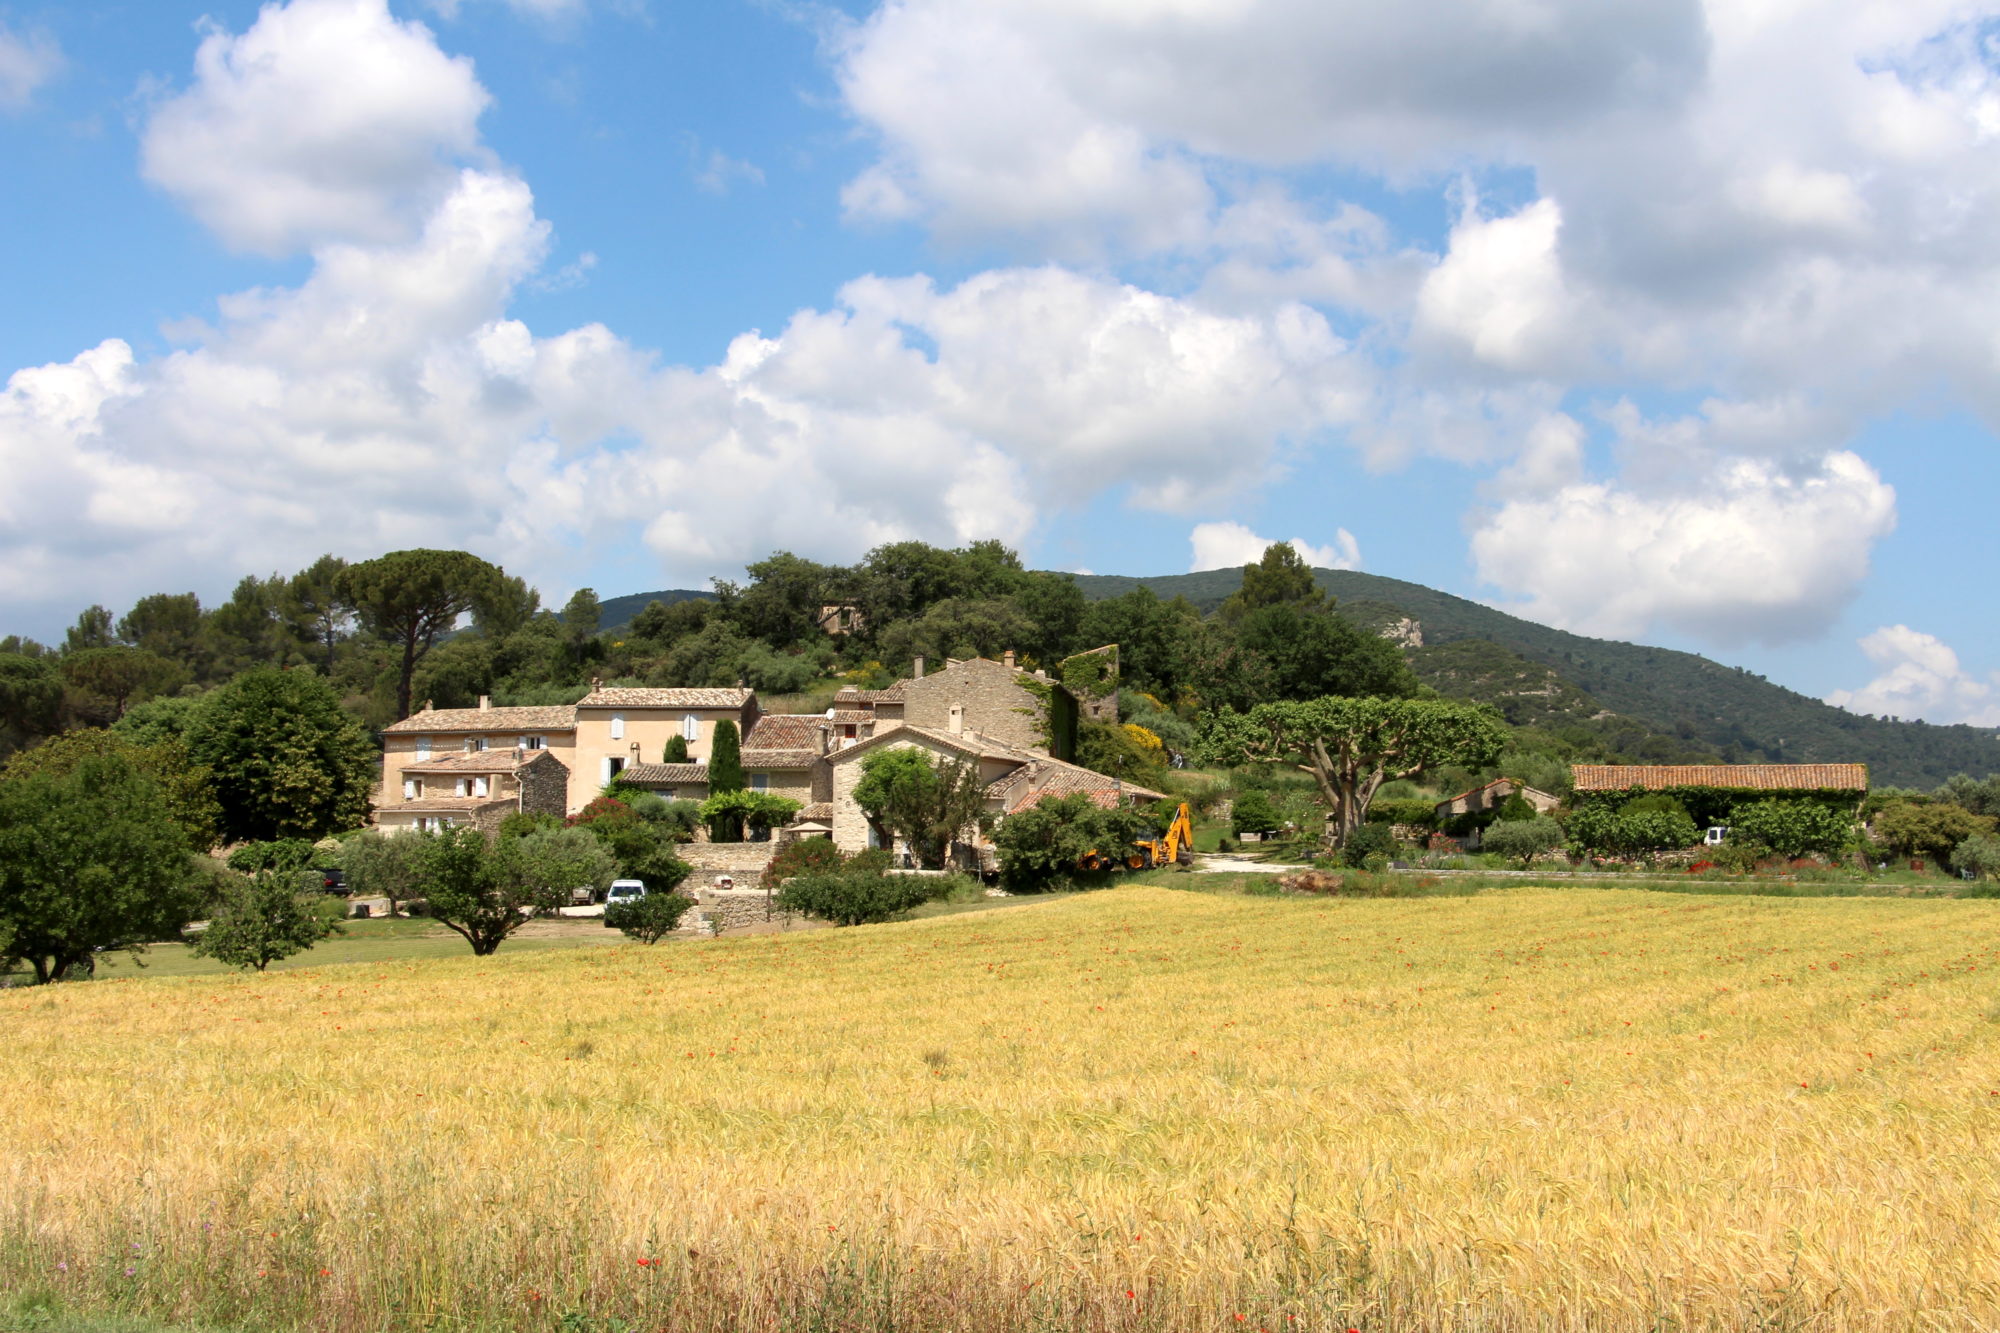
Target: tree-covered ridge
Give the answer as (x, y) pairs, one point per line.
(1707, 708)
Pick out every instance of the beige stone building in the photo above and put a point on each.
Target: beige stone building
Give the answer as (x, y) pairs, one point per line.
(617, 728)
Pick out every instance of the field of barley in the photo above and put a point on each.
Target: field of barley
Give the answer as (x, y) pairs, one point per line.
(1131, 1110)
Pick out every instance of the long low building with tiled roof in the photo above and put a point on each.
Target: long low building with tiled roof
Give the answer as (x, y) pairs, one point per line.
(1729, 777)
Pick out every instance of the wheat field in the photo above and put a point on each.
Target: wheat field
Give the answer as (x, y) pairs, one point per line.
(1137, 1109)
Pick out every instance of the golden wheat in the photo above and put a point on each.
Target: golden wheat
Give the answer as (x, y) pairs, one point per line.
(1134, 1109)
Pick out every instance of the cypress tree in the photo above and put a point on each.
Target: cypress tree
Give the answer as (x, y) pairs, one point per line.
(676, 751)
(725, 760)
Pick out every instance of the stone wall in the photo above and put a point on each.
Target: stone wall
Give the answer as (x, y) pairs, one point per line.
(544, 785)
(743, 862)
(994, 700)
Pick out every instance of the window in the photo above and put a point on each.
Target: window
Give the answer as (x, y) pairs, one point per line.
(409, 789)
(691, 728)
(460, 791)
(613, 766)
(533, 743)
(484, 743)
(423, 747)
(479, 786)
(617, 726)
(760, 782)
(471, 744)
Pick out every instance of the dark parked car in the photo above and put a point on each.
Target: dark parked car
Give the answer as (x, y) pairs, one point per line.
(331, 879)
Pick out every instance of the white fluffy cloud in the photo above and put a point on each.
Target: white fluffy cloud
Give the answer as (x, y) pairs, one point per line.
(27, 61)
(1751, 551)
(391, 399)
(1920, 678)
(326, 120)
(1222, 545)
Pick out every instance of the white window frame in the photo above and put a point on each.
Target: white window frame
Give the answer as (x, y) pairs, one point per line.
(690, 728)
(459, 788)
(423, 748)
(485, 743)
(409, 789)
(617, 726)
(533, 743)
(479, 786)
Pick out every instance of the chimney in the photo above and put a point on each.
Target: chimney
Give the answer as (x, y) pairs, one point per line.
(427, 705)
(1008, 658)
(957, 719)
(742, 683)
(825, 738)
(917, 672)
(596, 684)
(485, 703)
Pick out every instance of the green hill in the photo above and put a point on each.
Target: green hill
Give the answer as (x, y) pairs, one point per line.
(1549, 676)
(617, 612)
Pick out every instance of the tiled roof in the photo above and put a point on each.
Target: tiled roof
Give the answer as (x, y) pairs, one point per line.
(554, 717)
(819, 812)
(442, 805)
(785, 731)
(849, 695)
(1029, 785)
(761, 758)
(1742, 777)
(664, 775)
(502, 759)
(851, 716)
(680, 698)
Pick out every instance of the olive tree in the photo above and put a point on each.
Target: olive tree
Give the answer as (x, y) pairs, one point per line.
(262, 918)
(1351, 746)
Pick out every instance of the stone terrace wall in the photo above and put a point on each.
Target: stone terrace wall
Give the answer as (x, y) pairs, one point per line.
(743, 862)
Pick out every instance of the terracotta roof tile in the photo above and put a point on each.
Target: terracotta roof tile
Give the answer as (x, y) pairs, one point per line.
(851, 717)
(1028, 785)
(664, 775)
(966, 743)
(501, 759)
(819, 812)
(1742, 777)
(623, 697)
(446, 805)
(786, 759)
(785, 731)
(554, 717)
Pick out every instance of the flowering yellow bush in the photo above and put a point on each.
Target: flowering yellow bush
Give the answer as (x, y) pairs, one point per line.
(1136, 1109)
(1145, 739)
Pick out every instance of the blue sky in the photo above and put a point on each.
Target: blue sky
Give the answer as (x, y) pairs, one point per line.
(1668, 325)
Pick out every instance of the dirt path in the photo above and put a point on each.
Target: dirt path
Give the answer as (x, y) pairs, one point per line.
(1218, 863)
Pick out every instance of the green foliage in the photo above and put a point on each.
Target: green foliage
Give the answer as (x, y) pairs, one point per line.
(486, 891)
(929, 804)
(1929, 830)
(648, 919)
(288, 761)
(1108, 748)
(1608, 830)
(1280, 578)
(262, 918)
(1254, 813)
(854, 897)
(187, 787)
(1048, 842)
(285, 854)
(409, 599)
(1979, 854)
(1792, 828)
(1353, 746)
(640, 848)
(31, 696)
(803, 856)
(729, 812)
(1980, 797)
(1421, 813)
(1522, 840)
(676, 751)
(91, 858)
(1289, 652)
(1516, 808)
(380, 865)
(1368, 842)
(725, 759)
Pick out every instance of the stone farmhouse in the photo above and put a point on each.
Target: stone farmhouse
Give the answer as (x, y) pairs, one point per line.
(455, 766)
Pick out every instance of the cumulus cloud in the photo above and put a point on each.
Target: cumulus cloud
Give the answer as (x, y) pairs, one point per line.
(326, 120)
(1920, 678)
(1223, 545)
(27, 61)
(1749, 552)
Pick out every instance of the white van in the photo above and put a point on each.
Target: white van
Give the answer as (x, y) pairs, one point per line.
(625, 891)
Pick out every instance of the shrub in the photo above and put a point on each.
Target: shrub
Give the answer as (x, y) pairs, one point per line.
(1792, 828)
(649, 919)
(1050, 841)
(601, 808)
(872, 861)
(263, 918)
(847, 898)
(1421, 813)
(803, 856)
(1630, 831)
(1522, 840)
(1253, 813)
(1914, 829)
(1369, 840)
(1979, 854)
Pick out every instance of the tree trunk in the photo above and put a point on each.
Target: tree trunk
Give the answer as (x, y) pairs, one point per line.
(403, 680)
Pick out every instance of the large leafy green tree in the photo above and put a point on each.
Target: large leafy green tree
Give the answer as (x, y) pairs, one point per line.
(1352, 746)
(409, 599)
(91, 859)
(382, 865)
(112, 679)
(929, 804)
(317, 610)
(1284, 651)
(1930, 829)
(1050, 841)
(187, 787)
(1280, 578)
(288, 761)
(262, 918)
(171, 625)
(31, 696)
